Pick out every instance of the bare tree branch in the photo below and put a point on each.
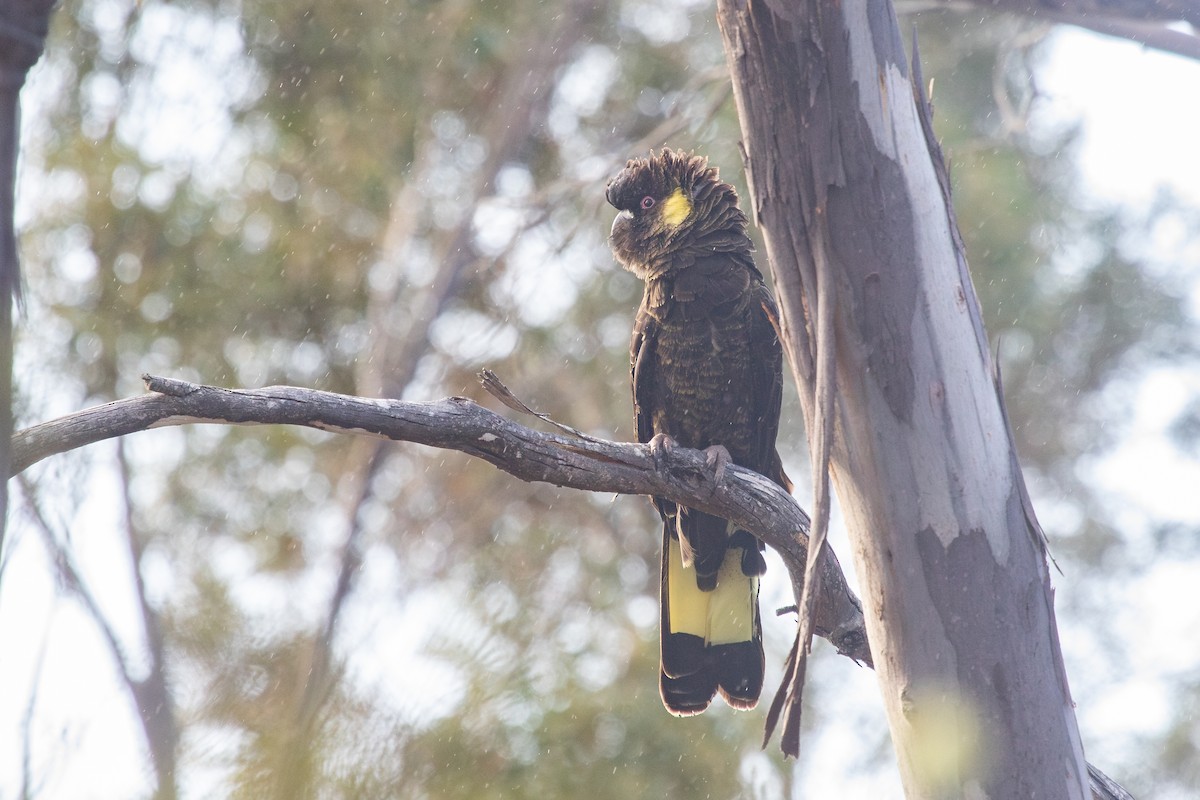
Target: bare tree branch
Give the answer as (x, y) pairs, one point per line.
(456, 423)
(71, 581)
(28, 789)
(152, 695)
(1144, 21)
(1150, 34)
(151, 698)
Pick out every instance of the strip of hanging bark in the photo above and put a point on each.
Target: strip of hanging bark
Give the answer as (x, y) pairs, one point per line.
(821, 438)
(745, 498)
(492, 384)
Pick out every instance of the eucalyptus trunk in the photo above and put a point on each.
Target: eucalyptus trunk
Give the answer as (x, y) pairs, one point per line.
(849, 186)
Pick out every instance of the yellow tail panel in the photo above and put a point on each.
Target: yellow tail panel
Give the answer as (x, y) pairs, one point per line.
(722, 616)
(731, 605)
(687, 604)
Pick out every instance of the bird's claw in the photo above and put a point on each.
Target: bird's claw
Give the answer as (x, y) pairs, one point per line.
(661, 446)
(716, 458)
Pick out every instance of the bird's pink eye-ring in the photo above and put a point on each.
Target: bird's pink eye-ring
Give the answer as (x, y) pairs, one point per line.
(647, 203)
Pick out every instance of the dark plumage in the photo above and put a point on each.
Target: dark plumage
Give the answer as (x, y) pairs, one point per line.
(706, 368)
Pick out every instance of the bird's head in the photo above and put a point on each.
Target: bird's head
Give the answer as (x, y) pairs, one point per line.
(672, 207)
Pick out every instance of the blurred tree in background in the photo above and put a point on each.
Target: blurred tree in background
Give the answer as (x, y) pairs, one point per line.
(379, 199)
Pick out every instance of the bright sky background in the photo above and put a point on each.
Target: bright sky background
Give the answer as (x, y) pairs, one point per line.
(1141, 122)
(1141, 133)
(1140, 112)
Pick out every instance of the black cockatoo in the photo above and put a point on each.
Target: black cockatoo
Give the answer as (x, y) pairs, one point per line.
(706, 366)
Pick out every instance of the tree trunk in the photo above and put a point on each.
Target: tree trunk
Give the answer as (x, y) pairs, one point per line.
(23, 27)
(847, 182)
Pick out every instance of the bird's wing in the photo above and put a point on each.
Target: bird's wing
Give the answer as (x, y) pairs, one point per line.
(641, 369)
(768, 383)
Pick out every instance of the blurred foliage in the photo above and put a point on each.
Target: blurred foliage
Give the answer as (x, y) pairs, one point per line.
(269, 192)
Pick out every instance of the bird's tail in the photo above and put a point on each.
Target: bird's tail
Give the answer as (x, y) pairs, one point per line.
(711, 640)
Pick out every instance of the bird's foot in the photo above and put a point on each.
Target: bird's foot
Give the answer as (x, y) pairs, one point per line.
(661, 446)
(716, 458)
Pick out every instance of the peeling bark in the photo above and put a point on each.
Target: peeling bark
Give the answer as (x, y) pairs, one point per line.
(959, 604)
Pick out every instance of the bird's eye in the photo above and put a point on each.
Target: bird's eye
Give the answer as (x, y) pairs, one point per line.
(647, 203)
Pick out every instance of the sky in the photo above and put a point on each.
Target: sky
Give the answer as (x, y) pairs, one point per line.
(1141, 125)
(1139, 132)
(1139, 111)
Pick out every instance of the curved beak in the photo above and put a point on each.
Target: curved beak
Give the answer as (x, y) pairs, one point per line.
(622, 219)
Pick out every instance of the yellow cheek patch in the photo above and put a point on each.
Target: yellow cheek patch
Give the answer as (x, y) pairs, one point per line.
(675, 208)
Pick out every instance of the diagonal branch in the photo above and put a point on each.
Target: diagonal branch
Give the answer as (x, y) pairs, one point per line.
(456, 423)
(152, 694)
(151, 698)
(1153, 23)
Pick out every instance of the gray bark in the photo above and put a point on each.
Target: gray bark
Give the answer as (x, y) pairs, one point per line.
(845, 182)
(564, 459)
(23, 27)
